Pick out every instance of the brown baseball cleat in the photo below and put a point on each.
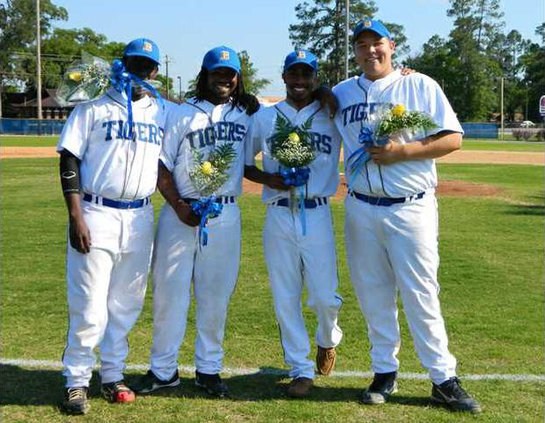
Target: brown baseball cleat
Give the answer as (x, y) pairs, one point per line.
(325, 360)
(300, 387)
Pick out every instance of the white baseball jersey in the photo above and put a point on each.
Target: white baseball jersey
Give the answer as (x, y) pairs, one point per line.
(200, 126)
(324, 174)
(112, 165)
(106, 287)
(393, 249)
(359, 98)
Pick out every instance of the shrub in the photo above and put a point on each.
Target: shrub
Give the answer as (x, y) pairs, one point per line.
(522, 133)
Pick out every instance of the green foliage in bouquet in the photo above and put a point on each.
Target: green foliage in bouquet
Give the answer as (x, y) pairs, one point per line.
(209, 175)
(84, 80)
(291, 145)
(398, 119)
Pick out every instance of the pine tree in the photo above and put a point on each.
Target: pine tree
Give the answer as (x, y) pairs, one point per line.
(321, 29)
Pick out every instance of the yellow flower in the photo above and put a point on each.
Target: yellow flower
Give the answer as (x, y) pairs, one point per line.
(294, 137)
(207, 168)
(398, 110)
(75, 76)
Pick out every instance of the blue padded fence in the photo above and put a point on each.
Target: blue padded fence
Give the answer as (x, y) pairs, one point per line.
(31, 126)
(480, 130)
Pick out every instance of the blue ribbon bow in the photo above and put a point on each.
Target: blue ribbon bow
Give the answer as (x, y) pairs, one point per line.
(206, 208)
(361, 156)
(297, 177)
(121, 81)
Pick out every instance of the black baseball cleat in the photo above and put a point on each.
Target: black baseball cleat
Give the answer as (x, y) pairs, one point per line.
(75, 401)
(150, 383)
(212, 384)
(451, 394)
(383, 385)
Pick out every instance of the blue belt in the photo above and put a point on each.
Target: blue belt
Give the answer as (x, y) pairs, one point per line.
(310, 203)
(384, 201)
(223, 200)
(116, 204)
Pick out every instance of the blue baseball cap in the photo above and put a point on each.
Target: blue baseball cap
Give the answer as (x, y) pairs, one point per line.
(367, 24)
(221, 57)
(301, 56)
(143, 47)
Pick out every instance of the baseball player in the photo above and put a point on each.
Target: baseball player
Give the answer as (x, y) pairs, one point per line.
(391, 217)
(295, 258)
(217, 115)
(108, 172)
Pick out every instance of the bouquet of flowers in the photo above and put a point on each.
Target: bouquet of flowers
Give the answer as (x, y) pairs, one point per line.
(90, 77)
(386, 125)
(397, 120)
(83, 80)
(291, 147)
(207, 176)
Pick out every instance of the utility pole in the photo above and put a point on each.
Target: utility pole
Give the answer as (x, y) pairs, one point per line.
(347, 47)
(179, 88)
(38, 61)
(167, 61)
(501, 108)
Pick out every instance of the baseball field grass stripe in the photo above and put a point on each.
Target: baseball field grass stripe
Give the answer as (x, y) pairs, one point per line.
(243, 371)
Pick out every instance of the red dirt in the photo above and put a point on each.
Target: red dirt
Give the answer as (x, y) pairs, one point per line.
(445, 188)
(450, 188)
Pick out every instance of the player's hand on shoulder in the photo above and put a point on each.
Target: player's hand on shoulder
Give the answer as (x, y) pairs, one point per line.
(80, 236)
(276, 181)
(327, 99)
(387, 154)
(185, 214)
(250, 103)
(407, 71)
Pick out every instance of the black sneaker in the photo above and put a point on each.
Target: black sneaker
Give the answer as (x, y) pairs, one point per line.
(212, 384)
(383, 385)
(454, 396)
(75, 401)
(149, 383)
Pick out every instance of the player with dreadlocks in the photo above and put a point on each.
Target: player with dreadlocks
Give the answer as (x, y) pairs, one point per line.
(216, 118)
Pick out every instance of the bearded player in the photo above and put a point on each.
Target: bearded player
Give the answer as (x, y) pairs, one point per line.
(108, 172)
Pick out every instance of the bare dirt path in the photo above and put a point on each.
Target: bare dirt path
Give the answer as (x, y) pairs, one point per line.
(470, 156)
(451, 188)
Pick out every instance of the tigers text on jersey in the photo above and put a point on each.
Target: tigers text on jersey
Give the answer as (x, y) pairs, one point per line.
(324, 174)
(113, 165)
(198, 127)
(359, 98)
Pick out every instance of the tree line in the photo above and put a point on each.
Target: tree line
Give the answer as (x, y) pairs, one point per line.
(469, 63)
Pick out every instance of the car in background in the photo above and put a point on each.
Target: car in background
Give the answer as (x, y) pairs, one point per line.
(527, 124)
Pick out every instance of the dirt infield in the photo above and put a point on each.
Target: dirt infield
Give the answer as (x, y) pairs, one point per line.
(28, 152)
(499, 157)
(450, 188)
(445, 188)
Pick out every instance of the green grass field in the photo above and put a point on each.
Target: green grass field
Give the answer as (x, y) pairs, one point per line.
(28, 141)
(469, 144)
(492, 298)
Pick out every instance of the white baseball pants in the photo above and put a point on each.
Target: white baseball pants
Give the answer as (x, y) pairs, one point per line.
(105, 290)
(178, 260)
(393, 249)
(293, 260)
